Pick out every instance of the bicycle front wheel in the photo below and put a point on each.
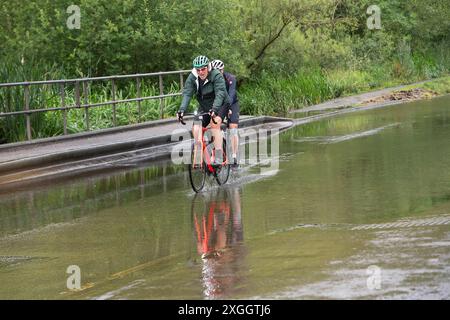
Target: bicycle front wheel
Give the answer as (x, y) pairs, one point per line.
(223, 172)
(197, 170)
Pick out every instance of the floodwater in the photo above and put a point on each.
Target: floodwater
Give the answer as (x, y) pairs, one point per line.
(359, 208)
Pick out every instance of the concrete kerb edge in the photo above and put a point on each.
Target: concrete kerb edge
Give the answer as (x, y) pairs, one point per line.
(86, 153)
(83, 153)
(87, 134)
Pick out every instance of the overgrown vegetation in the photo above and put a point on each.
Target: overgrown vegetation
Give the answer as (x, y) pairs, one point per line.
(286, 53)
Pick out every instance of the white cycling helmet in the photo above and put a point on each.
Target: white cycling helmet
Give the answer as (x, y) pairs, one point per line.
(217, 64)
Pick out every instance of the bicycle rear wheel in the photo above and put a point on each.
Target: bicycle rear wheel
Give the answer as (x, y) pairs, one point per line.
(223, 172)
(197, 169)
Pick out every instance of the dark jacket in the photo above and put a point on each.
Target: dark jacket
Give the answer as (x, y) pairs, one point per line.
(230, 82)
(211, 95)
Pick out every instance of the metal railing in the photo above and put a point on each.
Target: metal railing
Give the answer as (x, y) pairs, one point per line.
(84, 83)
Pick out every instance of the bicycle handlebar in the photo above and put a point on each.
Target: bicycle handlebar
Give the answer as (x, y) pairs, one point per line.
(199, 115)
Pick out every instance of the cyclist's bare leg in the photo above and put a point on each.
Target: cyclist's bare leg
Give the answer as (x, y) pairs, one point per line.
(234, 139)
(197, 133)
(217, 134)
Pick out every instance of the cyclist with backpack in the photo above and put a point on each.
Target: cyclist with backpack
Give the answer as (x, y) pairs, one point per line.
(210, 89)
(233, 113)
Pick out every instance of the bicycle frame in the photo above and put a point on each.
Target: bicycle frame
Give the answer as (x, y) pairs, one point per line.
(207, 156)
(202, 163)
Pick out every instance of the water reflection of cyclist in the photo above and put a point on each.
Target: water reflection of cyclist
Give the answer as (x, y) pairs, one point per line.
(219, 236)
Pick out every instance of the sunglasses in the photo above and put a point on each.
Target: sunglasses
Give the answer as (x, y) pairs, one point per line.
(201, 69)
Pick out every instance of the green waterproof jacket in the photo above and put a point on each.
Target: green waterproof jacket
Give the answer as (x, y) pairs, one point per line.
(212, 95)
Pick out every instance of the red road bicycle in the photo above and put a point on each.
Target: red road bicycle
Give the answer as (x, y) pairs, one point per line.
(201, 163)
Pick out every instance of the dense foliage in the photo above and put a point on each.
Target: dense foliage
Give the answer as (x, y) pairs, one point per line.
(286, 53)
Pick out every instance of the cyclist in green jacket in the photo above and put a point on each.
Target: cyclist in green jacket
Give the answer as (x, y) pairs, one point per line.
(209, 87)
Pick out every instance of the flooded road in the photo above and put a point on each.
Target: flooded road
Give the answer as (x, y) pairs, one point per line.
(358, 209)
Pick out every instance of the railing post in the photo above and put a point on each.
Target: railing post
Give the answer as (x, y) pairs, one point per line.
(138, 87)
(113, 93)
(181, 81)
(27, 108)
(86, 108)
(63, 105)
(161, 100)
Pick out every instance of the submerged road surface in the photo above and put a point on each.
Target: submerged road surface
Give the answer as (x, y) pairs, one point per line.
(357, 208)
